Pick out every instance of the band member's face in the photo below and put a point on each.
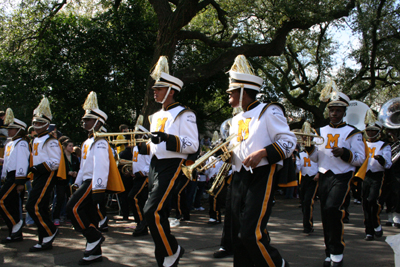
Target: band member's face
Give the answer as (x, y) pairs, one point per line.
(159, 93)
(234, 98)
(39, 126)
(12, 131)
(371, 133)
(88, 123)
(336, 114)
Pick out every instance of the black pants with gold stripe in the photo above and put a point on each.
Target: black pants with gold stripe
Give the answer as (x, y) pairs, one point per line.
(216, 201)
(163, 176)
(371, 190)
(84, 213)
(38, 202)
(138, 196)
(9, 202)
(252, 197)
(333, 189)
(308, 190)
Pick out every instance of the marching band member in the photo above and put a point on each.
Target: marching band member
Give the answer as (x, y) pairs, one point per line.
(342, 151)
(175, 137)
(308, 185)
(264, 140)
(380, 159)
(98, 173)
(15, 167)
(140, 190)
(46, 160)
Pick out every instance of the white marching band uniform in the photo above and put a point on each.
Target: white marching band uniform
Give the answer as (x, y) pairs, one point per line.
(344, 137)
(16, 158)
(180, 122)
(95, 164)
(273, 123)
(379, 148)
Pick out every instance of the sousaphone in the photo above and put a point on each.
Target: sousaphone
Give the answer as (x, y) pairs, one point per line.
(355, 114)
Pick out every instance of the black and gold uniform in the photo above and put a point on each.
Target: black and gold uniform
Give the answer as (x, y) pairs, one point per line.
(14, 174)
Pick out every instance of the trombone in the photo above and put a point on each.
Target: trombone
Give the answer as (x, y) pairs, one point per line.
(112, 137)
(224, 146)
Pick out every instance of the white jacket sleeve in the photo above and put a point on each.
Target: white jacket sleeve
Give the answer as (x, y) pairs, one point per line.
(54, 154)
(356, 154)
(22, 151)
(284, 141)
(387, 155)
(101, 165)
(187, 141)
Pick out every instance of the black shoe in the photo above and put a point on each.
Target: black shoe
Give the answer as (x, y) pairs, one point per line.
(286, 263)
(337, 264)
(17, 233)
(140, 232)
(388, 224)
(44, 246)
(86, 261)
(214, 222)
(346, 220)
(327, 263)
(222, 253)
(40, 248)
(12, 239)
(184, 219)
(379, 233)
(179, 257)
(95, 250)
(369, 237)
(308, 230)
(104, 227)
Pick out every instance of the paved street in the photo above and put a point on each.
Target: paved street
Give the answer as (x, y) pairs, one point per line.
(201, 240)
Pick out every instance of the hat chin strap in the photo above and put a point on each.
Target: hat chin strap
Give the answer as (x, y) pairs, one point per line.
(373, 137)
(241, 98)
(40, 127)
(166, 95)
(94, 125)
(11, 137)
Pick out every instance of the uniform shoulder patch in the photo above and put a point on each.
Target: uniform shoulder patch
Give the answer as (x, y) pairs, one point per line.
(353, 132)
(268, 105)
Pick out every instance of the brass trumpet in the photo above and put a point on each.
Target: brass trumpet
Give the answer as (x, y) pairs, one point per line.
(310, 139)
(219, 179)
(111, 137)
(188, 170)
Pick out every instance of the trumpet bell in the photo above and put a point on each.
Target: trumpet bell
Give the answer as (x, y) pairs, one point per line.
(355, 114)
(389, 114)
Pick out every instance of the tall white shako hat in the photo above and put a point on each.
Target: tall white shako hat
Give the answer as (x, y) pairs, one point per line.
(162, 77)
(371, 123)
(332, 94)
(13, 123)
(42, 113)
(241, 76)
(92, 110)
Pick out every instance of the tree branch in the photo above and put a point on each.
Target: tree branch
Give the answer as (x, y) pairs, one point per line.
(274, 48)
(195, 35)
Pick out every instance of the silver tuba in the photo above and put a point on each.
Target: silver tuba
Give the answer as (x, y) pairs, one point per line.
(389, 116)
(355, 114)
